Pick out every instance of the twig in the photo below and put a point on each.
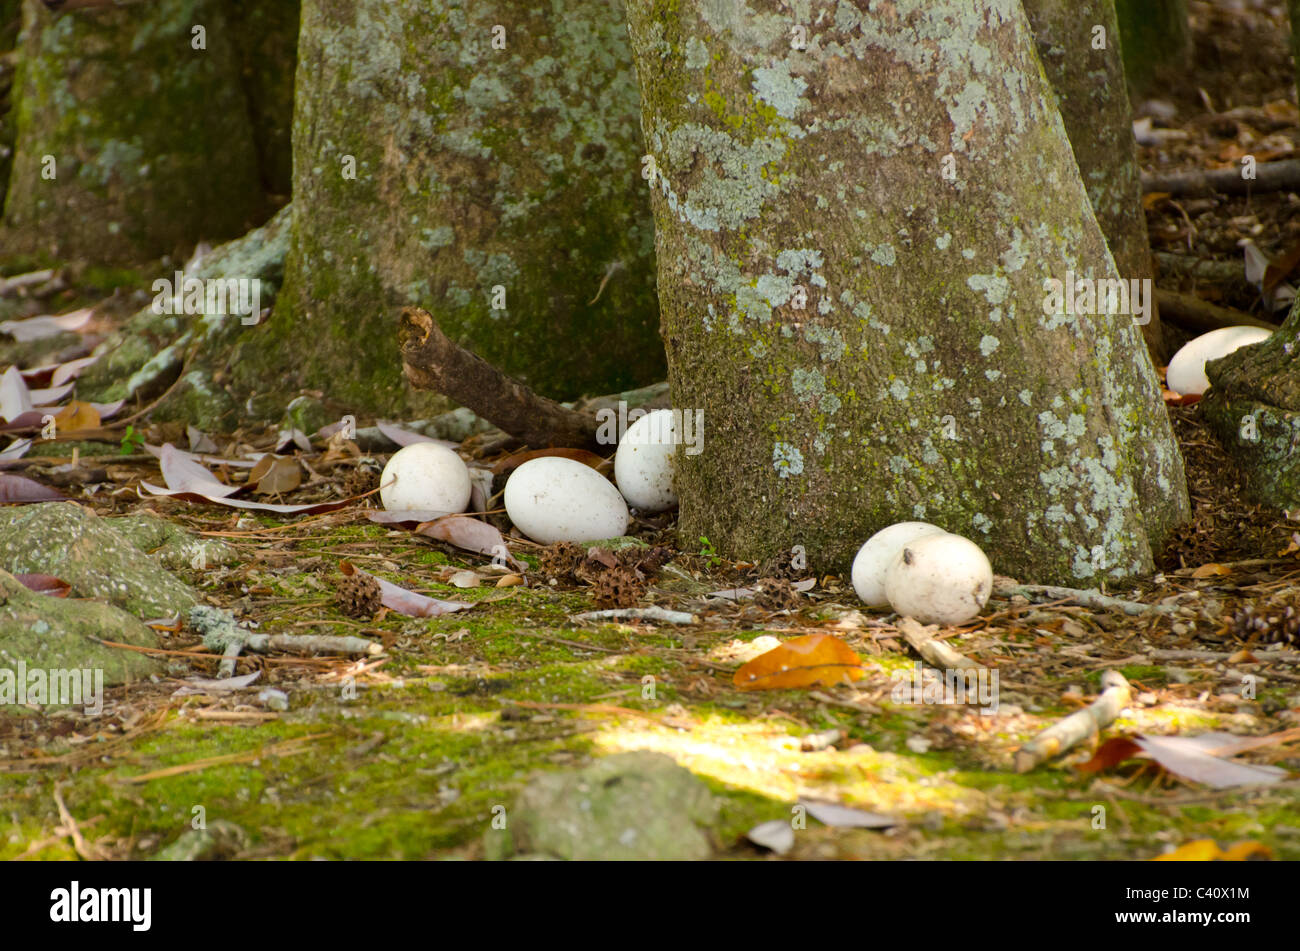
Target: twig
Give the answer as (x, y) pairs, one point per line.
(1078, 726)
(638, 614)
(932, 650)
(1089, 598)
(1269, 177)
(1202, 316)
(287, 748)
(1262, 657)
(70, 826)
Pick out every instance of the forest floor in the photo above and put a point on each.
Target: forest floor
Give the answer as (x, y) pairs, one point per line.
(413, 752)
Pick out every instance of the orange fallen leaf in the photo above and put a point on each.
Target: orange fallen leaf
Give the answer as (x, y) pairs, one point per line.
(77, 416)
(1211, 570)
(1110, 754)
(1207, 850)
(811, 660)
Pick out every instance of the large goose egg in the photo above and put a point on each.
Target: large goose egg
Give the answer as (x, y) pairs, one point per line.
(552, 499)
(643, 465)
(876, 555)
(427, 477)
(1186, 373)
(939, 579)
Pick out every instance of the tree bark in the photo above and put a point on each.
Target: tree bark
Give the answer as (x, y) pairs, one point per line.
(132, 143)
(908, 173)
(1253, 406)
(1156, 39)
(495, 150)
(1079, 45)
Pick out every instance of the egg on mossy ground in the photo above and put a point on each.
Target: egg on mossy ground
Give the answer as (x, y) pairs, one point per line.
(939, 579)
(1186, 373)
(875, 557)
(425, 476)
(552, 499)
(644, 463)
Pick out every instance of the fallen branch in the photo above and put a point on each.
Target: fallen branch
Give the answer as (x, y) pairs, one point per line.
(223, 634)
(1195, 314)
(1089, 598)
(934, 652)
(432, 361)
(637, 614)
(1078, 726)
(1269, 177)
(1261, 656)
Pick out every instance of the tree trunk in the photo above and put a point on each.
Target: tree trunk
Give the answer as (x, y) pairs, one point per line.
(1293, 8)
(1156, 39)
(1253, 406)
(132, 143)
(496, 185)
(1079, 45)
(11, 16)
(908, 173)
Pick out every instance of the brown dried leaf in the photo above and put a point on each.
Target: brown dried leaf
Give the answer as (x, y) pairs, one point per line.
(810, 660)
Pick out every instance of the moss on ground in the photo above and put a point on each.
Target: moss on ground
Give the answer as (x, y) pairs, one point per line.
(410, 759)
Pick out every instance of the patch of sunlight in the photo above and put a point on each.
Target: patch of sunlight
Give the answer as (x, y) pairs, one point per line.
(763, 758)
(464, 722)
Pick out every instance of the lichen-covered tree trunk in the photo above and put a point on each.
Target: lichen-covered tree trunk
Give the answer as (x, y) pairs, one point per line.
(1156, 39)
(1253, 406)
(480, 161)
(1079, 45)
(132, 142)
(10, 19)
(269, 55)
(857, 211)
(1293, 9)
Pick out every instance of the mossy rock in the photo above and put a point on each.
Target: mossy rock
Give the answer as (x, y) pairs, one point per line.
(629, 806)
(73, 543)
(48, 633)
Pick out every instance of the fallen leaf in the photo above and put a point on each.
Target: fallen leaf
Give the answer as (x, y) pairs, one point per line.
(845, 817)
(18, 489)
(15, 397)
(407, 602)
(1207, 850)
(1110, 754)
(1211, 570)
(805, 661)
(404, 437)
(777, 835)
(509, 581)
(275, 475)
(469, 534)
(45, 584)
(47, 325)
(77, 416)
(517, 459)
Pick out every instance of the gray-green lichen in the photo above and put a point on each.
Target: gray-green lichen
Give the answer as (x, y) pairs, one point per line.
(869, 330)
(483, 163)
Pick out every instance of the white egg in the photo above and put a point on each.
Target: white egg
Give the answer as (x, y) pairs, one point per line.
(643, 465)
(939, 579)
(1186, 373)
(874, 558)
(425, 477)
(552, 499)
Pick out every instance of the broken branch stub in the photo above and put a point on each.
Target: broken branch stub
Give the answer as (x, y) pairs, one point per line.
(432, 361)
